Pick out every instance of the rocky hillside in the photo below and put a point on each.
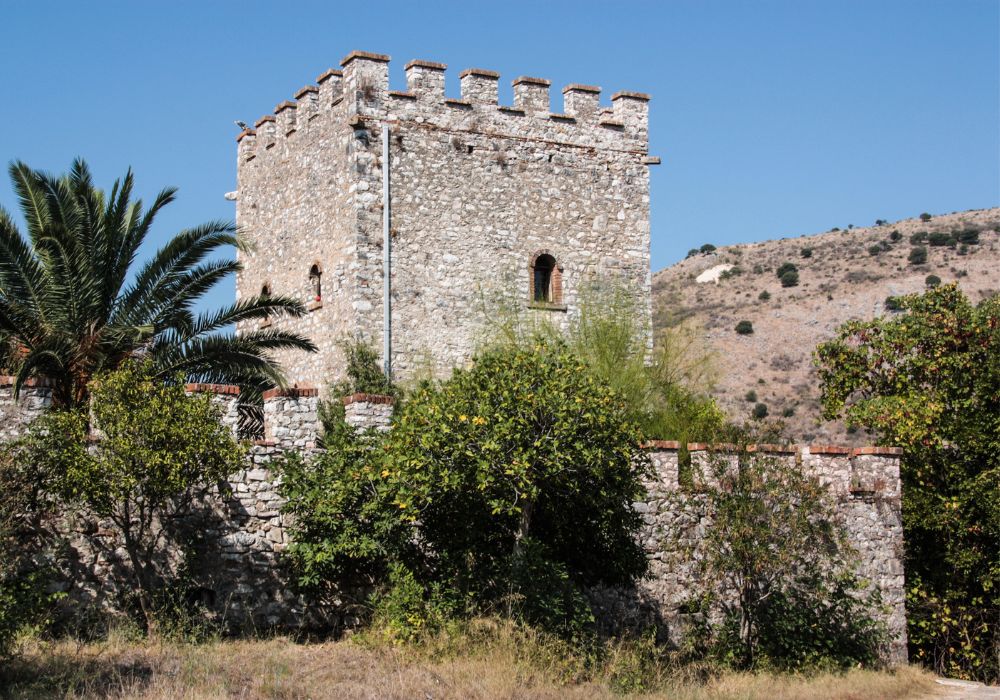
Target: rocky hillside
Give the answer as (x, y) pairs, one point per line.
(842, 275)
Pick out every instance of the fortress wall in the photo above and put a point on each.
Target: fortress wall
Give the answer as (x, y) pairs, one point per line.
(241, 532)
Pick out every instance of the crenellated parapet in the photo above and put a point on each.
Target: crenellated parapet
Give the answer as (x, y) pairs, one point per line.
(360, 91)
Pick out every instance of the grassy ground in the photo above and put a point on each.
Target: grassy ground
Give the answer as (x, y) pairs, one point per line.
(505, 667)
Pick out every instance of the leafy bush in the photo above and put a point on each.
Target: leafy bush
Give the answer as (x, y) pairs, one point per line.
(918, 255)
(932, 281)
(692, 253)
(764, 296)
(364, 376)
(925, 217)
(788, 412)
(874, 249)
(750, 396)
(777, 566)
(760, 411)
(786, 267)
(25, 545)
(893, 303)
(806, 252)
(790, 279)
(969, 236)
(707, 248)
(938, 239)
(744, 327)
(895, 236)
(474, 472)
(157, 452)
(918, 237)
(928, 381)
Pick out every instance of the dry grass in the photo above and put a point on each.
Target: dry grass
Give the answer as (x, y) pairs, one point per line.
(506, 667)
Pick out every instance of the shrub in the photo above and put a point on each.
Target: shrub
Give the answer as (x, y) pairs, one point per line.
(790, 279)
(788, 412)
(927, 381)
(938, 239)
(744, 327)
(925, 217)
(969, 236)
(760, 411)
(505, 524)
(874, 249)
(893, 304)
(707, 248)
(918, 237)
(918, 255)
(764, 296)
(806, 252)
(158, 452)
(692, 253)
(880, 222)
(895, 236)
(777, 566)
(786, 267)
(750, 396)
(932, 281)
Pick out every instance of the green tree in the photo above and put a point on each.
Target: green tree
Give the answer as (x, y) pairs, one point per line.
(155, 453)
(777, 566)
(73, 303)
(918, 255)
(928, 380)
(790, 279)
(516, 477)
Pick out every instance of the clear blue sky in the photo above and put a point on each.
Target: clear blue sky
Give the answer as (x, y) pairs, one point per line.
(773, 118)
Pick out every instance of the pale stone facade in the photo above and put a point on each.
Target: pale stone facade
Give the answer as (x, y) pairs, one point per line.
(478, 191)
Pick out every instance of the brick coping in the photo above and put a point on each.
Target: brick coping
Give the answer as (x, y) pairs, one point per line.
(368, 398)
(292, 392)
(775, 449)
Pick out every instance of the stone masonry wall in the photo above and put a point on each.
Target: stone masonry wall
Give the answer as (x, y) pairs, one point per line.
(477, 191)
(241, 533)
(864, 483)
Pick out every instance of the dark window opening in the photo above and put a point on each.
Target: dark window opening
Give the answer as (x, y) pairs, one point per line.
(542, 287)
(315, 282)
(265, 291)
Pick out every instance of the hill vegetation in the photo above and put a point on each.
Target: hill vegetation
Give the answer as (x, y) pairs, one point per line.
(795, 292)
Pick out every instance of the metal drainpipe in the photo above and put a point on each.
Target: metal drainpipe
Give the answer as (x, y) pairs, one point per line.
(386, 258)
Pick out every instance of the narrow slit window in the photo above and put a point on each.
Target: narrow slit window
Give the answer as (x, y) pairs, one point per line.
(542, 282)
(316, 282)
(265, 291)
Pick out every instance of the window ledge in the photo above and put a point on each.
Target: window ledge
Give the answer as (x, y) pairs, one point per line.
(546, 306)
(314, 305)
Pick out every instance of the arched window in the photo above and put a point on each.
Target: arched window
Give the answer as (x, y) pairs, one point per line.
(315, 282)
(265, 291)
(545, 280)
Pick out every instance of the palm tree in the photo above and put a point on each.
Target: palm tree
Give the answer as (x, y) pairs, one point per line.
(72, 304)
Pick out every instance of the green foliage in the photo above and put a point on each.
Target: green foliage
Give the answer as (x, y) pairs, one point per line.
(968, 236)
(707, 248)
(750, 396)
(156, 452)
(760, 411)
(777, 566)
(929, 381)
(25, 546)
(918, 255)
(939, 238)
(692, 253)
(477, 471)
(918, 237)
(895, 236)
(926, 217)
(785, 267)
(932, 281)
(72, 304)
(764, 296)
(875, 250)
(744, 327)
(806, 252)
(364, 376)
(788, 412)
(893, 304)
(790, 279)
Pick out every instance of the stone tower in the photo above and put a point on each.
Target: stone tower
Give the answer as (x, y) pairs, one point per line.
(486, 202)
